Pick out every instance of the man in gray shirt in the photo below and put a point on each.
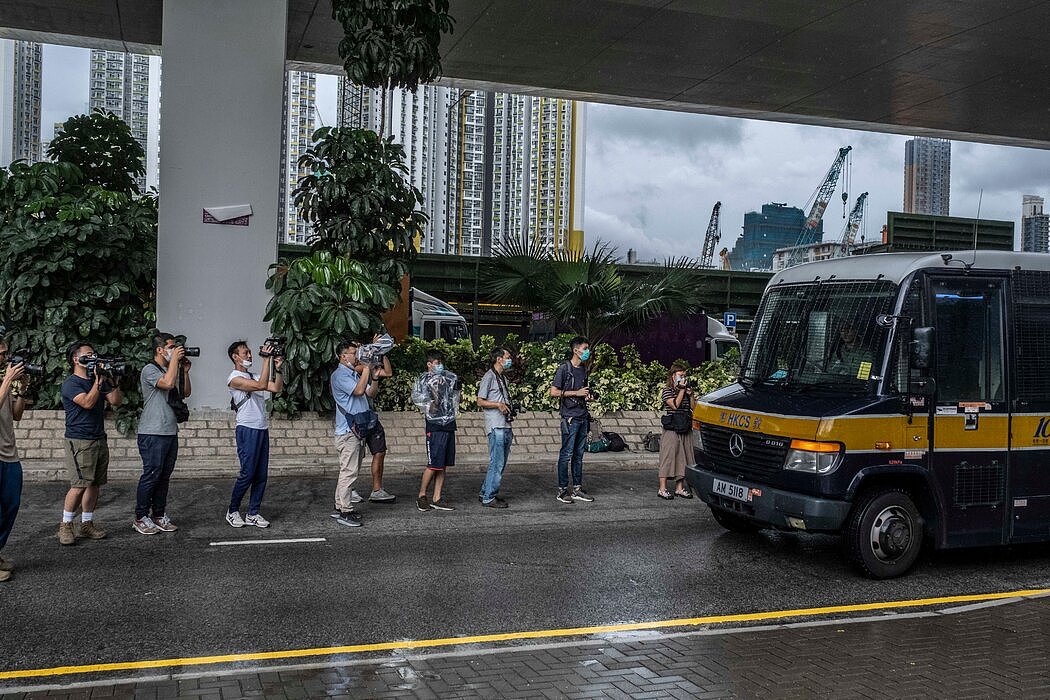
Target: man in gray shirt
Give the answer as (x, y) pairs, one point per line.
(494, 398)
(158, 434)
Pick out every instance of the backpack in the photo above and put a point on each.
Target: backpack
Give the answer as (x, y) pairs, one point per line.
(599, 445)
(651, 442)
(615, 441)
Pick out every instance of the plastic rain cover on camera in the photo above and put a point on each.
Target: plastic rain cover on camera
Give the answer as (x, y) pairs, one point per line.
(437, 396)
(372, 354)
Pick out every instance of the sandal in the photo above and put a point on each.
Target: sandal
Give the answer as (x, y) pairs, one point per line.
(666, 495)
(684, 494)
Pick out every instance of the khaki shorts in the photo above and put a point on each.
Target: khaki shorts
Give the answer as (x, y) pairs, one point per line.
(87, 462)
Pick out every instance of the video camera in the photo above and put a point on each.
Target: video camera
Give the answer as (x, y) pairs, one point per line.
(276, 344)
(372, 354)
(24, 357)
(111, 367)
(180, 342)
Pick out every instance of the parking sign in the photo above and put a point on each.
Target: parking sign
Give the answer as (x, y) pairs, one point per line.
(729, 319)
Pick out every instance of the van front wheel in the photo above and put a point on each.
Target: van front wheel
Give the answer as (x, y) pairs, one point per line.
(885, 533)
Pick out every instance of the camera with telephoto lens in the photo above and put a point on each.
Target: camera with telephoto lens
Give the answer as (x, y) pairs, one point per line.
(111, 367)
(180, 342)
(24, 357)
(372, 354)
(276, 344)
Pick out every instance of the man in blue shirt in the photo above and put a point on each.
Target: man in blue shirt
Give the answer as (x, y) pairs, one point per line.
(84, 398)
(348, 391)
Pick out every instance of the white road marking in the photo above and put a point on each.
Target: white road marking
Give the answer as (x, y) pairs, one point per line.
(296, 541)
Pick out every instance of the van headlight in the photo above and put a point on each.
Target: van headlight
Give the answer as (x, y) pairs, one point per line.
(813, 457)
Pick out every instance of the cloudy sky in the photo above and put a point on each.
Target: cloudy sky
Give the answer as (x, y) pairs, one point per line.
(653, 176)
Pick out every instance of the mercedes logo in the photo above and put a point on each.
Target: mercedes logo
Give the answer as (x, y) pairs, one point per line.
(736, 445)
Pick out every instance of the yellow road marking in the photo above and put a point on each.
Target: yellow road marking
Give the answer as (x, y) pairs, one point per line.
(511, 636)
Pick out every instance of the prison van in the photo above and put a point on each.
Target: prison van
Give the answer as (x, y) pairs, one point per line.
(897, 399)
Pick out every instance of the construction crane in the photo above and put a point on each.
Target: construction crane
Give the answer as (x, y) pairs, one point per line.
(711, 238)
(820, 202)
(849, 234)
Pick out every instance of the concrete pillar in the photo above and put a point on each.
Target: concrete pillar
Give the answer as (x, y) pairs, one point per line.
(224, 63)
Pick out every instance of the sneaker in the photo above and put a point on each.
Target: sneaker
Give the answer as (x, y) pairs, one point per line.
(257, 520)
(146, 526)
(495, 503)
(65, 534)
(423, 504)
(165, 524)
(6, 565)
(235, 519)
(578, 494)
(564, 496)
(355, 497)
(91, 531)
(5, 575)
(381, 496)
(441, 505)
(335, 514)
(350, 519)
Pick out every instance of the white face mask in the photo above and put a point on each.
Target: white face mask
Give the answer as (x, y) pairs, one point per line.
(167, 355)
(246, 363)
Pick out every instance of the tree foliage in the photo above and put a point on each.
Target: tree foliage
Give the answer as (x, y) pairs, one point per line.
(102, 147)
(317, 302)
(77, 258)
(587, 293)
(392, 43)
(357, 201)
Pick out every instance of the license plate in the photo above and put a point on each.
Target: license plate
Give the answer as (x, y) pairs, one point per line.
(731, 490)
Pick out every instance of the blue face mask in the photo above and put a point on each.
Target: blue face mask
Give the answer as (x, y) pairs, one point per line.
(507, 364)
(439, 369)
(585, 355)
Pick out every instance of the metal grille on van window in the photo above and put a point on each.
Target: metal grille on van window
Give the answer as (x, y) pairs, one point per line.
(978, 484)
(1031, 297)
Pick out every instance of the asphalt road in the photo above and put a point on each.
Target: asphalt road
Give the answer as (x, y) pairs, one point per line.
(540, 564)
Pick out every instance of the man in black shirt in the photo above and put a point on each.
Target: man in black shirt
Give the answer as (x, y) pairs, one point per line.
(570, 386)
(84, 398)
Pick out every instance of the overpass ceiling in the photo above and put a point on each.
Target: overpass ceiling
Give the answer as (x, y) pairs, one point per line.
(973, 69)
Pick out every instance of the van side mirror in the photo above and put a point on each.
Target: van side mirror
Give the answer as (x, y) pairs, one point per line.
(922, 341)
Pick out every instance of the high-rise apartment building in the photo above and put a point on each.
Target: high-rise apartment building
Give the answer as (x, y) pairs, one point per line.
(300, 103)
(927, 176)
(21, 66)
(1035, 225)
(776, 226)
(491, 166)
(120, 84)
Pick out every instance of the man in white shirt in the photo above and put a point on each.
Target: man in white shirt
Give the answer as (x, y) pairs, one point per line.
(248, 396)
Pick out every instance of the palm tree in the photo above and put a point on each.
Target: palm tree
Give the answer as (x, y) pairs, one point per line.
(587, 293)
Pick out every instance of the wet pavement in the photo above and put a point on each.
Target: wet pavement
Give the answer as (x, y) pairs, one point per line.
(629, 557)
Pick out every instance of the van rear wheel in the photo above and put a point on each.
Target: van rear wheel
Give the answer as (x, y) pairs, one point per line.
(885, 533)
(734, 523)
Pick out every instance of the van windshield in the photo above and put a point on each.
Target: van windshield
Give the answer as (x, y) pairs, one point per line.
(819, 335)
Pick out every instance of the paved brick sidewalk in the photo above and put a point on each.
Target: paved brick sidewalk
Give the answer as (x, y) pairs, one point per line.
(999, 651)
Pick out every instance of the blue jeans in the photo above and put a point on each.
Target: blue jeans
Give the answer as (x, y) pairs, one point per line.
(158, 454)
(10, 497)
(500, 440)
(573, 441)
(253, 450)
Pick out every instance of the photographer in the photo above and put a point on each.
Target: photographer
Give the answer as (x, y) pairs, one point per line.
(11, 409)
(570, 388)
(158, 433)
(84, 396)
(348, 391)
(376, 440)
(676, 443)
(248, 396)
(494, 398)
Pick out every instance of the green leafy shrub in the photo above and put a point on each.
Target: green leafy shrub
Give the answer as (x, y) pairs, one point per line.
(623, 381)
(78, 255)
